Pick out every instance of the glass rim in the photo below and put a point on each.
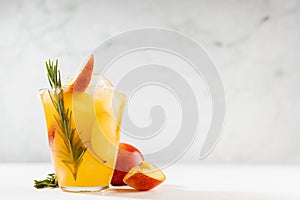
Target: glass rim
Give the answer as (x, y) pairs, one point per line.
(106, 88)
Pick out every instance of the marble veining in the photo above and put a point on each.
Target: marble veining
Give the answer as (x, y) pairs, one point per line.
(255, 45)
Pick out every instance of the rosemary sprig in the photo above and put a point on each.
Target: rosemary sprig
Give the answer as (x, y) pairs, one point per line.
(53, 74)
(73, 145)
(49, 182)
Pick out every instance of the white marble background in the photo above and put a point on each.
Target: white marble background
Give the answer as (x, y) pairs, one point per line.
(255, 44)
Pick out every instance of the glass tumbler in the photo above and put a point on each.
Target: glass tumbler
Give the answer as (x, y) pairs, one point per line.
(83, 134)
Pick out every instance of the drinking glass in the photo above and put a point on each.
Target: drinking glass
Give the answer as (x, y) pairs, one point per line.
(83, 134)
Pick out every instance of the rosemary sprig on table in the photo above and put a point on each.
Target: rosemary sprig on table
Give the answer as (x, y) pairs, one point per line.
(73, 145)
(49, 182)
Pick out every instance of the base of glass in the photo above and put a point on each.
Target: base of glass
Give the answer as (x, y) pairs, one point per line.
(84, 189)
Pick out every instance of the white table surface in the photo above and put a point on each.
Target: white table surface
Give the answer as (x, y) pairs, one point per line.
(188, 181)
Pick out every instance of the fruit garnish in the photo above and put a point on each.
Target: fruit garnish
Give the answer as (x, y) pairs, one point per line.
(144, 176)
(83, 79)
(128, 157)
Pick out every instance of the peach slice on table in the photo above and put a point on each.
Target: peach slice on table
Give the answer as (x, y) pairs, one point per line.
(83, 79)
(144, 176)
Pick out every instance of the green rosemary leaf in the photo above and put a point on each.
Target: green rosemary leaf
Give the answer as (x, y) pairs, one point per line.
(49, 182)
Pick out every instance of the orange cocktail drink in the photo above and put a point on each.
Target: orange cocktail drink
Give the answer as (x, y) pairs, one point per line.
(83, 131)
